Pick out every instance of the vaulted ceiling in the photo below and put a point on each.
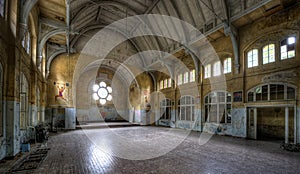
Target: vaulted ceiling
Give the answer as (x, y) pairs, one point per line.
(67, 24)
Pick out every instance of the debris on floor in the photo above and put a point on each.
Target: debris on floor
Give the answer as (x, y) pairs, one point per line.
(32, 161)
(290, 147)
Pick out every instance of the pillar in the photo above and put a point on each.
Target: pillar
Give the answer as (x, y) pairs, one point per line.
(286, 125)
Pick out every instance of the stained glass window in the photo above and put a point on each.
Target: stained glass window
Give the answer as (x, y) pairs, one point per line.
(269, 54)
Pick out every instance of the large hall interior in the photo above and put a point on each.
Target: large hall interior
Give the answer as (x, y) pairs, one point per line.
(149, 86)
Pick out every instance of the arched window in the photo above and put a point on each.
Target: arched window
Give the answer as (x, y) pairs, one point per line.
(186, 108)
(288, 48)
(252, 58)
(272, 92)
(24, 121)
(1, 98)
(269, 53)
(165, 109)
(227, 65)
(217, 68)
(207, 71)
(218, 107)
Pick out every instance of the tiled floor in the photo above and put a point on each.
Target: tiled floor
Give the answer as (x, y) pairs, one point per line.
(99, 151)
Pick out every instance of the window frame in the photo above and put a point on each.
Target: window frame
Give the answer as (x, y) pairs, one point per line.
(184, 105)
(227, 65)
(216, 102)
(287, 50)
(186, 77)
(285, 98)
(268, 52)
(217, 69)
(207, 71)
(192, 75)
(164, 105)
(180, 79)
(252, 58)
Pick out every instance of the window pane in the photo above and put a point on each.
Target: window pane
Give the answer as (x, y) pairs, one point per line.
(269, 54)
(168, 113)
(213, 113)
(165, 83)
(217, 68)
(221, 96)
(207, 71)
(169, 83)
(186, 77)
(252, 58)
(193, 76)
(228, 110)
(161, 85)
(280, 92)
(222, 111)
(265, 92)
(213, 97)
(258, 94)
(179, 80)
(188, 113)
(206, 99)
(291, 40)
(182, 113)
(291, 93)
(250, 96)
(291, 54)
(227, 65)
(273, 92)
(228, 97)
(288, 48)
(207, 108)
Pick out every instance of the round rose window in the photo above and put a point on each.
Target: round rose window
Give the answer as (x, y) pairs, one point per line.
(102, 92)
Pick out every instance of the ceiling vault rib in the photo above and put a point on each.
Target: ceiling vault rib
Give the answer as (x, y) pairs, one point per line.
(151, 7)
(169, 14)
(99, 14)
(190, 13)
(185, 39)
(200, 10)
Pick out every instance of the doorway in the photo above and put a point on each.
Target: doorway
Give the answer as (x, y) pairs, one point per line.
(271, 123)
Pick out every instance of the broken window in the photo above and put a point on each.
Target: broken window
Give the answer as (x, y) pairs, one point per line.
(287, 47)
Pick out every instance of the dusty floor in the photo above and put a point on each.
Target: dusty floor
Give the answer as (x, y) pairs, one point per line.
(92, 150)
